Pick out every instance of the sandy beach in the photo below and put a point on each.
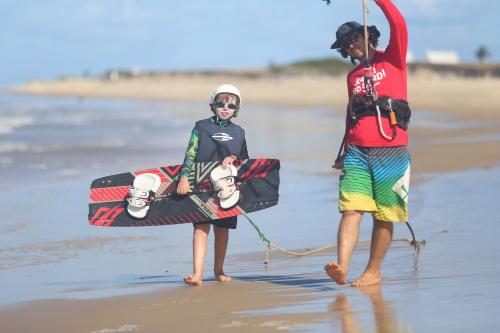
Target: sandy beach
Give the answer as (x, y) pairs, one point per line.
(469, 97)
(107, 285)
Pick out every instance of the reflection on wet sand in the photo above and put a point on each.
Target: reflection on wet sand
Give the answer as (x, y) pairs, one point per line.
(385, 319)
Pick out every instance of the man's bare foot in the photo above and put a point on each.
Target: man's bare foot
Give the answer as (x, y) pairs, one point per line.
(374, 292)
(222, 277)
(194, 281)
(336, 272)
(367, 279)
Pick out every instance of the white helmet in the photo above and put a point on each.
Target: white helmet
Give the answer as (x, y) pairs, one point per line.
(225, 88)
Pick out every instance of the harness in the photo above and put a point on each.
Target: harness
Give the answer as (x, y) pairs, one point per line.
(397, 110)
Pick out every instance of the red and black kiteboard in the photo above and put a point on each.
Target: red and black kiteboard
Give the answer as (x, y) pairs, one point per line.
(258, 181)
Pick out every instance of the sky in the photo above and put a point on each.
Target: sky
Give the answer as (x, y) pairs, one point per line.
(52, 38)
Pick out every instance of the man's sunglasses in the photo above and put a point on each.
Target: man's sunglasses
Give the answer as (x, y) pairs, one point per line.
(350, 40)
(231, 106)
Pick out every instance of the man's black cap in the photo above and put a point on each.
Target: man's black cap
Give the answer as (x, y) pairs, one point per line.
(345, 32)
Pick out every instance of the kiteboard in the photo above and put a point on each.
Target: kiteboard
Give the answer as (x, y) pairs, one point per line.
(111, 198)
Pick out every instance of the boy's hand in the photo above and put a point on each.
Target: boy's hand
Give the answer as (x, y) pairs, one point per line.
(339, 163)
(183, 186)
(228, 160)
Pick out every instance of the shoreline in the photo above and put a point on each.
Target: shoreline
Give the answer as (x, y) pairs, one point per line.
(471, 102)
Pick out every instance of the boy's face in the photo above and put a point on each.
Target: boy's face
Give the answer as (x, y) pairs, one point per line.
(225, 107)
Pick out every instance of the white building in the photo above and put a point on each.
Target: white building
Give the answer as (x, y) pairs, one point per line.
(442, 57)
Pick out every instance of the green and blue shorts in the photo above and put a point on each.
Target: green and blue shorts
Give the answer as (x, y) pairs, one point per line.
(376, 180)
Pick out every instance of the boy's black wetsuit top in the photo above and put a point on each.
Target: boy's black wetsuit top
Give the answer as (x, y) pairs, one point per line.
(213, 139)
(219, 140)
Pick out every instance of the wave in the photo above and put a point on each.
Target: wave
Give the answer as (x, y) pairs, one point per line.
(8, 124)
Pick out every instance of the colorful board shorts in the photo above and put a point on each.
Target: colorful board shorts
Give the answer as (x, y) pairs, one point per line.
(377, 180)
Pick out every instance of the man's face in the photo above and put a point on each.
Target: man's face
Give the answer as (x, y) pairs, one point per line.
(355, 47)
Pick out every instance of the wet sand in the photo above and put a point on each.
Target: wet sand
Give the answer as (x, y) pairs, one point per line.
(453, 151)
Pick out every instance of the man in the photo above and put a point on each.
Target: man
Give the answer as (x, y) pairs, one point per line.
(375, 163)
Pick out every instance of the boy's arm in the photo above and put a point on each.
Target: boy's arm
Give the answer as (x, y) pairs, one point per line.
(398, 42)
(191, 152)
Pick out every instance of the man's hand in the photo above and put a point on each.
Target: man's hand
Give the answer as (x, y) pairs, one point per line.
(183, 186)
(228, 160)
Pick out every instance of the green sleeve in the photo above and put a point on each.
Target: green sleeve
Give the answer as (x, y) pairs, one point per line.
(191, 153)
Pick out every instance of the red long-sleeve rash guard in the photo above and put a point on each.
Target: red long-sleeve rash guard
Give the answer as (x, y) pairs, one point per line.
(389, 76)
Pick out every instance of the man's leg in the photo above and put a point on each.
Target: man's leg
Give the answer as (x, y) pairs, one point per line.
(220, 247)
(200, 237)
(347, 239)
(381, 239)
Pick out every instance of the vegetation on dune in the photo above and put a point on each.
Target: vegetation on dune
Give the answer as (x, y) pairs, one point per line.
(327, 66)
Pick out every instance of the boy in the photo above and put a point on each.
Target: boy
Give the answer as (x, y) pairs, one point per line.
(214, 139)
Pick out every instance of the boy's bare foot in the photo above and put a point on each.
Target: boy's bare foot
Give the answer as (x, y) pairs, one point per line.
(367, 279)
(222, 277)
(194, 281)
(336, 272)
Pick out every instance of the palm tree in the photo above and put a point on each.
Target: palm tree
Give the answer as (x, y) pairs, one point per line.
(482, 53)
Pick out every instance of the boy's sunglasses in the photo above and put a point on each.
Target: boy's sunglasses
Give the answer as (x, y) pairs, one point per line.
(231, 106)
